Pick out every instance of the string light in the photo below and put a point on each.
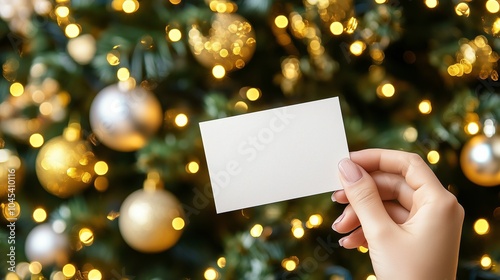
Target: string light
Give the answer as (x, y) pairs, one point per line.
(253, 94)
(380, 1)
(357, 48)
(363, 249)
(218, 72)
(113, 57)
(123, 74)
(86, 236)
(130, 6)
(181, 120)
(69, 270)
(462, 9)
(101, 183)
(62, 11)
(297, 229)
(211, 274)
(486, 262)
(192, 167)
(35, 267)
(336, 28)
(281, 21)
(175, 2)
(72, 30)
(410, 134)
(94, 274)
(481, 226)
(39, 215)
(472, 128)
(174, 35)
(178, 223)
(431, 3)
(16, 89)
(256, 230)
(221, 262)
(241, 106)
(492, 6)
(425, 107)
(371, 277)
(290, 264)
(101, 168)
(351, 25)
(386, 90)
(314, 221)
(433, 157)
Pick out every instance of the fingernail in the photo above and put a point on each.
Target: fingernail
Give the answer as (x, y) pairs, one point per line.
(341, 241)
(350, 170)
(333, 197)
(338, 220)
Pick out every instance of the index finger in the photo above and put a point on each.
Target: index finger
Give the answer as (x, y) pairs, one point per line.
(410, 165)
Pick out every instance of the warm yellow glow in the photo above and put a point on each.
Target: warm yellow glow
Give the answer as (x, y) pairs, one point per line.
(298, 232)
(69, 270)
(123, 74)
(12, 276)
(221, 262)
(16, 89)
(211, 274)
(241, 106)
(130, 6)
(192, 167)
(492, 6)
(351, 26)
(175, 2)
(58, 276)
(433, 157)
(380, 1)
(218, 71)
(371, 277)
(462, 9)
(181, 120)
(425, 107)
(336, 28)
(453, 70)
(35, 267)
(472, 128)
(357, 47)
(486, 262)
(256, 230)
(431, 3)
(101, 183)
(113, 57)
(101, 168)
(289, 265)
(72, 30)
(39, 215)
(36, 140)
(86, 236)
(174, 35)
(253, 94)
(281, 21)
(178, 223)
(62, 11)
(315, 220)
(45, 108)
(410, 134)
(94, 274)
(481, 226)
(386, 90)
(363, 249)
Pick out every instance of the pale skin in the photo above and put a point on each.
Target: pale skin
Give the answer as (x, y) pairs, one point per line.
(398, 208)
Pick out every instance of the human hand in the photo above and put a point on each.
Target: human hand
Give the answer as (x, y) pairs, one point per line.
(410, 223)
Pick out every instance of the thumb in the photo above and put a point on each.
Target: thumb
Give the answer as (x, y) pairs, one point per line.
(362, 193)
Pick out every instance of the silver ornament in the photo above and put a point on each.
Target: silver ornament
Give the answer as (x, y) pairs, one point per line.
(46, 246)
(480, 160)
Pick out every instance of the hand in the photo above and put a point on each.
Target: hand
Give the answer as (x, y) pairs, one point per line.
(410, 223)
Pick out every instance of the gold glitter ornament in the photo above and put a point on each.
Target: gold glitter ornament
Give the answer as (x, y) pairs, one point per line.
(151, 219)
(11, 173)
(65, 164)
(480, 160)
(230, 42)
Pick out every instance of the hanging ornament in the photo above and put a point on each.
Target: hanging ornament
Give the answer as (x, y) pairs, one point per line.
(151, 219)
(11, 173)
(124, 119)
(65, 164)
(230, 42)
(480, 160)
(46, 246)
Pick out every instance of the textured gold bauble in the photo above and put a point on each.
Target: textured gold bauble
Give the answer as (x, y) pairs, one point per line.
(148, 220)
(124, 119)
(65, 167)
(230, 42)
(480, 160)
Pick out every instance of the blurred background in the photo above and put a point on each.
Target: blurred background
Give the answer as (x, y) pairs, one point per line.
(102, 169)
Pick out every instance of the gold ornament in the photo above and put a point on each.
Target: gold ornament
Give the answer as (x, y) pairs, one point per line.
(124, 119)
(151, 219)
(480, 160)
(230, 42)
(11, 173)
(65, 164)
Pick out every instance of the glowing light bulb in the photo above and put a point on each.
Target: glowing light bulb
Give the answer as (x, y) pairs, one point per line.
(281, 21)
(481, 226)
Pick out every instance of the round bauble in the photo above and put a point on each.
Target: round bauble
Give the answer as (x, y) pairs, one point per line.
(65, 167)
(151, 220)
(480, 160)
(46, 246)
(230, 42)
(125, 119)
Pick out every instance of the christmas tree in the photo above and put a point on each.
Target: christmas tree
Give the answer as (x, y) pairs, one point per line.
(103, 173)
